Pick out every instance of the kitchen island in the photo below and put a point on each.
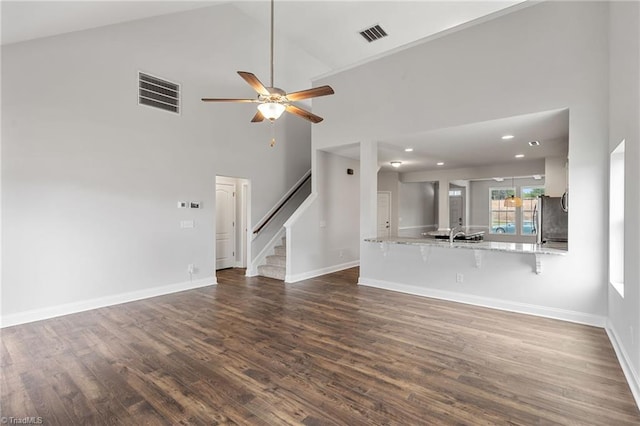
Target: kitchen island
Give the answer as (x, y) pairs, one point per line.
(499, 275)
(535, 249)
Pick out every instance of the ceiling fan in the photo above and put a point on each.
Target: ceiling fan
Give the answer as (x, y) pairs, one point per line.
(273, 101)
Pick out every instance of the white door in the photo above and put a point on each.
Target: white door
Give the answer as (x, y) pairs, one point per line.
(384, 214)
(225, 225)
(455, 211)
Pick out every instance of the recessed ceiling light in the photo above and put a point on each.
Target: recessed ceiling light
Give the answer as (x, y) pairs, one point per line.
(519, 155)
(396, 164)
(537, 177)
(440, 163)
(507, 137)
(534, 143)
(408, 150)
(498, 179)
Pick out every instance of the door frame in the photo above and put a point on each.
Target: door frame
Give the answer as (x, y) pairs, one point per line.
(233, 238)
(390, 200)
(243, 235)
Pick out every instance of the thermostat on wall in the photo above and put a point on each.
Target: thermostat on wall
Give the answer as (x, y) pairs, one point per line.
(194, 205)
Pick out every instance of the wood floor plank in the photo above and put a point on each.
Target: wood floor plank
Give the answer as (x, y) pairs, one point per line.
(325, 351)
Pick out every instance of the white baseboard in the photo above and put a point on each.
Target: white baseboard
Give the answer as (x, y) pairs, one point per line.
(101, 302)
(504, 305)
(328, 270)
(625, 362)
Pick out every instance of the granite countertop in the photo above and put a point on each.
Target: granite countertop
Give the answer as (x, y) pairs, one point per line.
(471, 245)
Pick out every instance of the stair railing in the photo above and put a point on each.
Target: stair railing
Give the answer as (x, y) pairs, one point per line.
(274, 211)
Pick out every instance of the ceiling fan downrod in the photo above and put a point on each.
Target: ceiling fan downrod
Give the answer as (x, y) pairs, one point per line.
(272, 85)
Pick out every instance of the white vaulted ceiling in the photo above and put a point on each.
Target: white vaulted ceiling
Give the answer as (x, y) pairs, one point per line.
(327, 30)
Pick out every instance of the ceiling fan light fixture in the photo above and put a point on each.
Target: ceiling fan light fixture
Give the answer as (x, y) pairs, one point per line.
(271, 110)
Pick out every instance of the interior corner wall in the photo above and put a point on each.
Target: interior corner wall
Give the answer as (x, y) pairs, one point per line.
(536, 58)
(325, 237)
(624, 110)
(90, 179)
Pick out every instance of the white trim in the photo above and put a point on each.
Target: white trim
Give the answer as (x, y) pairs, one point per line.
(503, 305)
(281, 200)
(328, 270)
(633, 379)
(252, 270)
(101, 302)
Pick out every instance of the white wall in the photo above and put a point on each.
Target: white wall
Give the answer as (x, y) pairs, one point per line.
(537, 58)
(90, 180)
(624, 110)
(417, 208)
(323, 235)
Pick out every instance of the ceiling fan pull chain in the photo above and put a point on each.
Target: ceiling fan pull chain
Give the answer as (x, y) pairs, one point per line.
(273, 134)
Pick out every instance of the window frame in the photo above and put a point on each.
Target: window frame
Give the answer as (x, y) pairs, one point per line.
(506, 210)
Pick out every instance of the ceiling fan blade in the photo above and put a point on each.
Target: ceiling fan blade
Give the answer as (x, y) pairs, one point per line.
(254, 82)
(227, 100)
(304, 114)
(257, 118)
(310, 93)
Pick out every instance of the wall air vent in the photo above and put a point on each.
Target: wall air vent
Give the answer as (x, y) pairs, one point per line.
(374, 33)
(158, 93)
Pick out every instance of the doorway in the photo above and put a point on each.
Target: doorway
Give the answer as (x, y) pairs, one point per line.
(384, 213)
(232, 223)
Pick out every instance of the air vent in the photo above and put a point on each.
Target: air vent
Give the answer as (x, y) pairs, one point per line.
(158, 93)
(374, 33)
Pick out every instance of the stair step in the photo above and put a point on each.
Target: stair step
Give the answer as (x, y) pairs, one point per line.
(277, 260)
(270, 271)
(280, 250)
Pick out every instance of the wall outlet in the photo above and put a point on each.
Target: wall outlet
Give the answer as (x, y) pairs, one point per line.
(187, 224)
(459, 277)
(191, 268)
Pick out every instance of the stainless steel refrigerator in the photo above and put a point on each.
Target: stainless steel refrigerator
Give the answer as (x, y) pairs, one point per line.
(552, 220)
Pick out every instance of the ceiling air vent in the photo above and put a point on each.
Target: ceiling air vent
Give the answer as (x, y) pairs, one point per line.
(158, 93)
(373, 33)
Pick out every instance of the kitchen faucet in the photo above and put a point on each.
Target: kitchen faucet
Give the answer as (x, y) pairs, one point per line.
(453, 234)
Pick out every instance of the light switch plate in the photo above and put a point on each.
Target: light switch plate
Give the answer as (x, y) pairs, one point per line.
(187, 224)
(182, 204)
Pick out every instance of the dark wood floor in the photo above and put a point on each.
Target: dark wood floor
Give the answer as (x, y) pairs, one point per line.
(324, 351)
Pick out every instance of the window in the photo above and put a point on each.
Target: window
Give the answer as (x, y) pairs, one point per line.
(530, 196)
(503, 219)
(616, 219)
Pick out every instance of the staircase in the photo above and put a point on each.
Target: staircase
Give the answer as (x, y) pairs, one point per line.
(276, 266)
